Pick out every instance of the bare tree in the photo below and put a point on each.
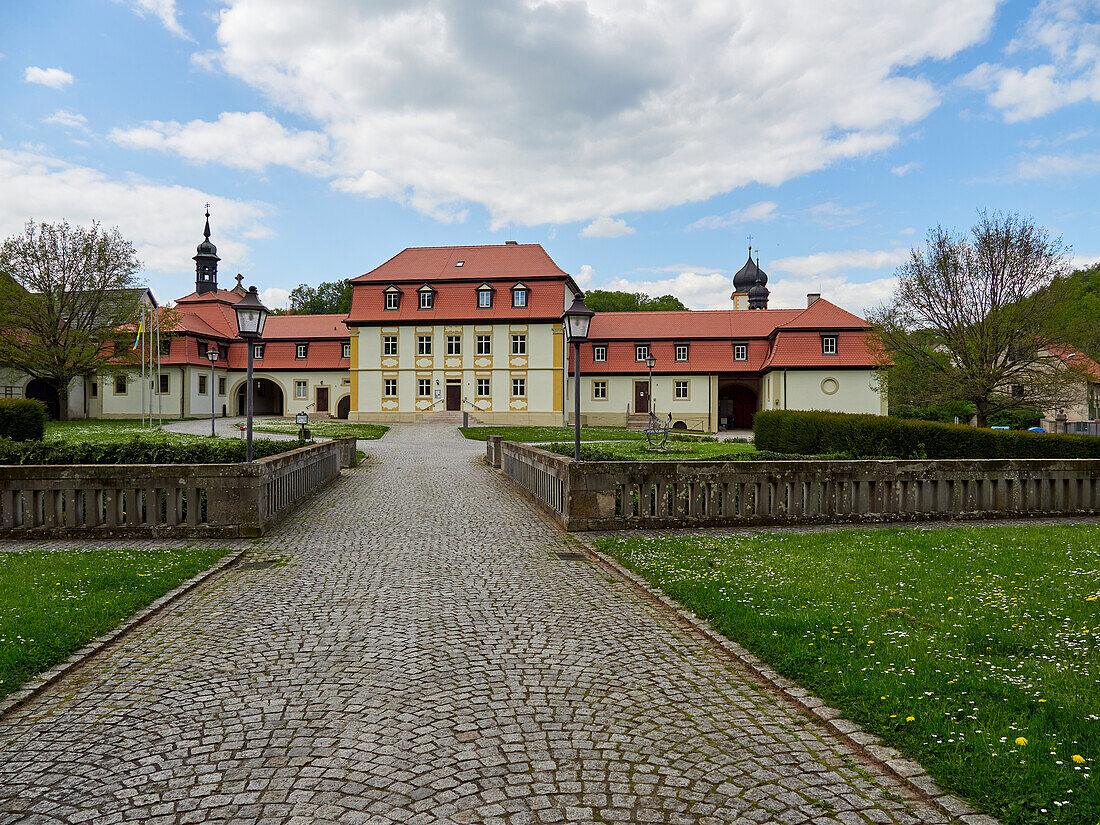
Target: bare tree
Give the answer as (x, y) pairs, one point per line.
(67, 295)
(966, 321)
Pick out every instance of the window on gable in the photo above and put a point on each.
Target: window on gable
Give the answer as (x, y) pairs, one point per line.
(346, 350)
(740, 352)
(301, 350)
(599, 352)
(828, 345)
(427, 299)
(393, 299)
(681, 352)
(484, 298)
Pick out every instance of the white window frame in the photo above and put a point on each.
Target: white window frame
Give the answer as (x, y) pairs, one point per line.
(488, 387)
(387, 341)
(599, 390)
(519, 384)
(484, 299)
(420, 384)
(483, 345)
(519, 298)
(519, 344)
(599, 353)
(829, 345)
(641, 352)
(683, 347)
(426, 299)
(685, 386)
(301, 351)
(740, 352)
(393, 300)
(301, 390)
(454, 345)
(389, 384)
(345, 351)
(423, 345)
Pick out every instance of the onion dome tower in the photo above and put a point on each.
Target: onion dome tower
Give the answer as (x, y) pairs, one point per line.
(749, 278)
(758, 293)
(206, 262)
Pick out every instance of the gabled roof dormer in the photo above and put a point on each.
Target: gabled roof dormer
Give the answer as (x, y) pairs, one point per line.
(485, 296)
(520, 294)
(426, 297)
(392, 297)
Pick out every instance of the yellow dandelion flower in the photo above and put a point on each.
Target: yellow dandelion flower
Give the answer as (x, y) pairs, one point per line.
(910, 719)
(1080, 760)
(1021, 741)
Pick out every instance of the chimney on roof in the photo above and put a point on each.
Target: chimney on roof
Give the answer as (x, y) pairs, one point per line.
(511, 243)
(812, 298)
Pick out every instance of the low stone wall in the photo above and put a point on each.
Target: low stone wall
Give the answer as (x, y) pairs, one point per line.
(179, 500)
(620, 495)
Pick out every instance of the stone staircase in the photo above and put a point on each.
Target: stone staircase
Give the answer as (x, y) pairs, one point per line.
(637, 421)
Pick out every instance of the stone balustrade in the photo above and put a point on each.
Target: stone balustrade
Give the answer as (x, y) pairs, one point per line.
(618, 495)
(198, 500)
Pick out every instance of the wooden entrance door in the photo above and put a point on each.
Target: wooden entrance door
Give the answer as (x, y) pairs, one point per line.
(744, 407)
(322, 399)
(454, 396)
(641, 396)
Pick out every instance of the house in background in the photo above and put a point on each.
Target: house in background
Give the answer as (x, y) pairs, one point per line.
(1083, 416)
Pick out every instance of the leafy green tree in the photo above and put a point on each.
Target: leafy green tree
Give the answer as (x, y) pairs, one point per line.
(601, 300)
(1074, 309)
(328, 297)
(68, 293)
(968, 320)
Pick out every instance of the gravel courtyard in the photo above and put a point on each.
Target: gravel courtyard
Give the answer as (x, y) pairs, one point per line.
(420, 654)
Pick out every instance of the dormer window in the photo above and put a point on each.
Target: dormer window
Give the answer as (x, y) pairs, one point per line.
(485, 296)
(828, 345)
(427, 297)
(393, 297)
(519, 295)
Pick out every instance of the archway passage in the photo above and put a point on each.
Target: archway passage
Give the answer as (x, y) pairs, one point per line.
(736, 406)
(267, 398)
(343, 407)
(41, 391)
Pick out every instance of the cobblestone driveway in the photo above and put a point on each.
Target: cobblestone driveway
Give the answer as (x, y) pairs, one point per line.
(423, 656)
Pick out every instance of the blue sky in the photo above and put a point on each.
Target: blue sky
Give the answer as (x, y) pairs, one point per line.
(639, 143)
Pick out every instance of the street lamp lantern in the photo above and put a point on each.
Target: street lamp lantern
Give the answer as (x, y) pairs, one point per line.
(577, 320)
(251, 317)
(212, 356)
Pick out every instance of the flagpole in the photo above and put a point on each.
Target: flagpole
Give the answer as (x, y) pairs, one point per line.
(144, 380)
(160, 399)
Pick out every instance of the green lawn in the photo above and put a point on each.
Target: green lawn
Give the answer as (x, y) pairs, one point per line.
(693, 449)
(108, 430)
(327, 429)
(552, 433)
(53, 602)
(974, 650)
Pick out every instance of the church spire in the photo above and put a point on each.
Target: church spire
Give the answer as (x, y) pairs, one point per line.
(206, 261)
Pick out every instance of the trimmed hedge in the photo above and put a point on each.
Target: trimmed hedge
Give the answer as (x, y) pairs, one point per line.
(22, 419)
(876, 436)
(138, 451)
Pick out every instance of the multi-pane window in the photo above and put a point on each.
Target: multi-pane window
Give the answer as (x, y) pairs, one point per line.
(740, 352)
(393, 300)
(483, 388)
(454, 345)
(120, 385)
(599, 390)
(389, 387)
(484, 345)
(519, 388)
(681, 352)
(258, 351)
(300, 350)
(202, 385)
(162, 384)
(519, 345)
(828, 345)
(346, 351)
(427, 299)
(641, 352)
(300, 390)
(203, 347)
(519, 298)
(423, 387)
(423, 345)
(599, 352)
(484, 298)
(221, 385)
(389, 345)
(680, 389)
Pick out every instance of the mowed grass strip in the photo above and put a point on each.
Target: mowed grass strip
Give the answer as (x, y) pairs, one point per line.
(551, 433)
(110, 430)
(681, 449)
(327, 429)
(53, 602)
(975, 650)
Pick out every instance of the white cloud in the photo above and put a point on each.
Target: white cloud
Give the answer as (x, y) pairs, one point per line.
(907, 231)
(164, 10)
(553, 112)
(585, 276)
(1083, 261)
(830, 263)
(275, 297)
(54, 78)
(164, 221)
(697, 290)
(1066, 33)
(1041, 167)
(757, 213)
(905, 168)
(835, 216)
(245, 140)
(67, 120)
(607, 228)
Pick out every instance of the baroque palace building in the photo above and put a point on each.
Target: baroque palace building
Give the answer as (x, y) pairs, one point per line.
(478, 329)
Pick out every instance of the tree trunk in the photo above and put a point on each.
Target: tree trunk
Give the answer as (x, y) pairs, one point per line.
(63, 402)
(980, 414)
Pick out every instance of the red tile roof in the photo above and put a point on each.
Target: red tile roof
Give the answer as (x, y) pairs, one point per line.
(794, 348)
(822, 314)
(218, 295)
(325, 354)
(688, 324)
(436, 263)
(305, 327)
(457, 302)
(1072, 358)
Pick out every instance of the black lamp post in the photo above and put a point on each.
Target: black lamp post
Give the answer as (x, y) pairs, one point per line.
(212, 356)
(650, 362)
(577, 319)
(251, 317)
